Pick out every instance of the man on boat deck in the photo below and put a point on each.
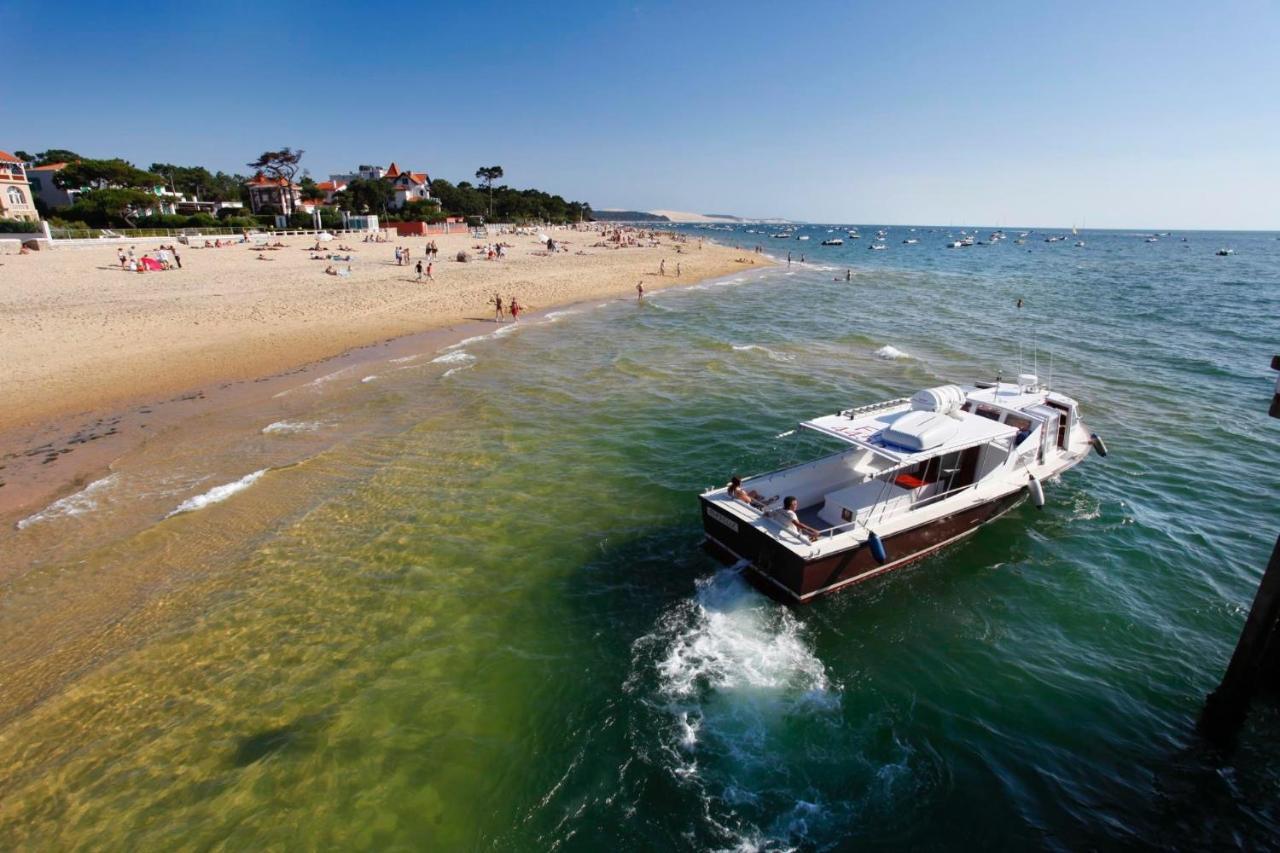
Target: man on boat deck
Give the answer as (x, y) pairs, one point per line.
(787, 518)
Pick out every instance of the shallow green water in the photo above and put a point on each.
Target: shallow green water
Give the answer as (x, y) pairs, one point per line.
(475, 614)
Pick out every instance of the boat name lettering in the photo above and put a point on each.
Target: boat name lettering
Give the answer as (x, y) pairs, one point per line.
(723, 519)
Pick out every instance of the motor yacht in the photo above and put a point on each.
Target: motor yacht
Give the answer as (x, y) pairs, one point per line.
(911, 476)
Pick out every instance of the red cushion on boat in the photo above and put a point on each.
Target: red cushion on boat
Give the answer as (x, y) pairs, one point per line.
(908, 481)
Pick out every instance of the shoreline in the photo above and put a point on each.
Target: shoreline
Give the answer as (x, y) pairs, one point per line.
(52, 457)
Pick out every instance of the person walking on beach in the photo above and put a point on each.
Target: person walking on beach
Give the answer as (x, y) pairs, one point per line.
(662, 267)
(677, 269)
(640, 291)
(419, 268)
(788, 259)
(430, 277)
(497, 308)
(515, 308)
(124, 261)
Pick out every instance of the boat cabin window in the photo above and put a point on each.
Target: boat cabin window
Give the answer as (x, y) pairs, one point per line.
(921, 474)
(984, 411)
(1021, 424)
(950, 472)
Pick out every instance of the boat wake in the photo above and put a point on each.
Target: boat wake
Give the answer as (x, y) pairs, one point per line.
(82, 502)
(734, 680)
(217, 494)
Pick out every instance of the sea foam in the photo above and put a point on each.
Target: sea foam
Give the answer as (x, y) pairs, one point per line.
(84, 501)
(455, 357)
(891, 353)
(217, 494)
(733, 673)
(776, 356)
(291, 426)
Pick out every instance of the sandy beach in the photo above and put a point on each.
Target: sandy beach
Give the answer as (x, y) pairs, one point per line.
(81, 339)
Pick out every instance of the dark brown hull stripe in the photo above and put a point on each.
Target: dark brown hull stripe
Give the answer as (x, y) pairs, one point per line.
(850, 565)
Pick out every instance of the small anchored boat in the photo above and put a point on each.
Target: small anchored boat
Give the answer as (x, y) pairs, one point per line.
(834, 241)
(912, 476)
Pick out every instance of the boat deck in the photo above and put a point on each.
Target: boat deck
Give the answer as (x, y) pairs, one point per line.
(809, 515)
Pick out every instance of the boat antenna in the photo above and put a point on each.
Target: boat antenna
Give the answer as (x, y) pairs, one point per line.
(1050, 382)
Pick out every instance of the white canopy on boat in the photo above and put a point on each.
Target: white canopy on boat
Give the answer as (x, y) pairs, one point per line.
(868, 431)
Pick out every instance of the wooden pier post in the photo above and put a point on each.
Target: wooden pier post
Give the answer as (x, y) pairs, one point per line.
(1257, 652)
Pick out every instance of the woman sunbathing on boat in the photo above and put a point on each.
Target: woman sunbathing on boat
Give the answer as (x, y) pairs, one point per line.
(752, 497)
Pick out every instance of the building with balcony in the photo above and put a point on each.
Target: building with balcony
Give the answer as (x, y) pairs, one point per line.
(16, 201)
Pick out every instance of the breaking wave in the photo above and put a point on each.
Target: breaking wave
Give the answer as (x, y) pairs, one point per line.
(217, 494)
(82, 502)
(291, 426)
(455, 357)
(776, 356)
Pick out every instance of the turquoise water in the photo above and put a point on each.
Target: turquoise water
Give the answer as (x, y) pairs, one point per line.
(465, 606)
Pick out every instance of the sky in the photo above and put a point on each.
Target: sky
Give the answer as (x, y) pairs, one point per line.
(1119, 114)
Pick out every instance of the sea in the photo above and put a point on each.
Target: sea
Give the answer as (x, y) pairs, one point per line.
(456, 600)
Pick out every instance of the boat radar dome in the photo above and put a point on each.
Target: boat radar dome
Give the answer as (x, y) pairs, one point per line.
(943, 399)
(1028, 381)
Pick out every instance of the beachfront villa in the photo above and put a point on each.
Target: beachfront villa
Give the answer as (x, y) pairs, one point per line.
(16, 201)
(273, 195)
(43, 187)
(331, 187)
(408, 186)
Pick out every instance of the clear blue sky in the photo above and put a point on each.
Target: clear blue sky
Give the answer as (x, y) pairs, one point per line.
(1104, 114)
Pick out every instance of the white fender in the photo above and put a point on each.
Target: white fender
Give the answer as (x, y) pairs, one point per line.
(1037, 492)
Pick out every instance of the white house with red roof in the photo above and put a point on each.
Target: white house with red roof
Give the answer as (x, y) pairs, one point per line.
(330, 188)
(408, 186)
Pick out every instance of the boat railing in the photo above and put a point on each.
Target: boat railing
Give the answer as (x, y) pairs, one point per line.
(831, 532)
(874, 407)
(861, 520)
(932, 499)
